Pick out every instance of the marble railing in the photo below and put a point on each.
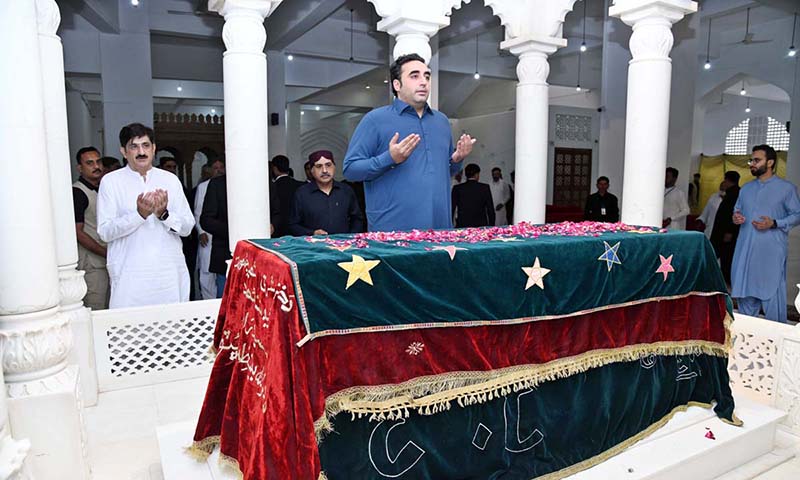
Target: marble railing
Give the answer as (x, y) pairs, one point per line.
(764, 365)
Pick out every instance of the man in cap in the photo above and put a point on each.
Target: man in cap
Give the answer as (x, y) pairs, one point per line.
(324, 206)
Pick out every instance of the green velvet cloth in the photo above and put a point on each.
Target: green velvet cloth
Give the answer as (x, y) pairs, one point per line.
(415, 284)
(528, 433)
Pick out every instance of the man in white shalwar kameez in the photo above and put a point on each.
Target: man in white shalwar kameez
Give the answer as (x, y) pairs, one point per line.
(676, 204)
(501, 194)
(208, 280)
(141, 214)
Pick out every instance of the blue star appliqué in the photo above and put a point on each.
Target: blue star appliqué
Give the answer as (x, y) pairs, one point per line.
(610, 255)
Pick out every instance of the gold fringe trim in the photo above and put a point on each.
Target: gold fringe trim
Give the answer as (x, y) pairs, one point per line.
(429, 395)
(201, 449)
(620, 447)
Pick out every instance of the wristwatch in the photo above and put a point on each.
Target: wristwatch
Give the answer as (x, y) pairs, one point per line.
(164, 215)
(774, 223)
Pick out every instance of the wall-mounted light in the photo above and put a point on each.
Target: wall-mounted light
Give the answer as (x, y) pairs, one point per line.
(135, 3)
(290, 57)
(302, 112)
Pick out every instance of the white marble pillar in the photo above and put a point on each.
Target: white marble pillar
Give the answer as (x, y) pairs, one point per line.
(72, 285)
(413, 22)
(276, 102)
(647, 111)
(532, 33)
(530, 143)
(43, 392)
(244, 70)
(13, 452)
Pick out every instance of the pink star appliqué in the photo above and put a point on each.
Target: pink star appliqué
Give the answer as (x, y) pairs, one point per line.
(666, 266)
(450, 249)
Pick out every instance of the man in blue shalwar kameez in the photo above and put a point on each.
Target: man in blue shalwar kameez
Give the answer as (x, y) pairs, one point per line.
(406, 182)
(767, 209)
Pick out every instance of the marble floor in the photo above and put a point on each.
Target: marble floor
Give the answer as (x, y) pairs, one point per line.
(123, 445)
(121, 428)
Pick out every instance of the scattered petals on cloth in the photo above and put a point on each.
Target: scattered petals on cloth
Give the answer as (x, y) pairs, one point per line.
(610, 255)
(484, 234)
(450, 249)
(666, 266)
(535, 274)
(710, 435)
(341, 248)
(358, 269)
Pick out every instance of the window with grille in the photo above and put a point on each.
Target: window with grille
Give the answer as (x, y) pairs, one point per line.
(756, 131)
(777, 136)
(736, 141)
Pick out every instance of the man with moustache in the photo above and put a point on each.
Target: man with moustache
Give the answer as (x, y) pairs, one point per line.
(91, 250)
(405, 156)
(766, 210)
(324, 206)
(142, 214)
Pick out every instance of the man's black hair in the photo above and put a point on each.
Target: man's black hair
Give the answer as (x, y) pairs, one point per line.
(673, 171)
(135, 130)
(471, 170)
(281, 162)
(602, 179)
(770, 153)
(85, 150)
(396, 68)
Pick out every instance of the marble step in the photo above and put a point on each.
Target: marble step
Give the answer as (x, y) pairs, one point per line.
(678, 450)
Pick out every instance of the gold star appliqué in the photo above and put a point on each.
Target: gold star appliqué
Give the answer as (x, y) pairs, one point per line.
(535, 274)
(358, 269)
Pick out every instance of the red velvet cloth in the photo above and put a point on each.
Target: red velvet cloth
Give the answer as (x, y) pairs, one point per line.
(265, 393)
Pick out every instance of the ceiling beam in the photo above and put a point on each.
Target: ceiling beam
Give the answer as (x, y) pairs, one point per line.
(103, 15)
(292, 19)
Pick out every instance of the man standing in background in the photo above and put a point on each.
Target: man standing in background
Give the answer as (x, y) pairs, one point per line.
(501, 194)
(676, 208)
(91, 249)
(767, 209)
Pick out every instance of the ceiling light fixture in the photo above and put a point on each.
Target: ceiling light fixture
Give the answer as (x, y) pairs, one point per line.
(583, 43)
(351, 34)
(290, 57)
(302, 112)
(367, 86)
(135, 3)
(743, 91)
(707, 65)
(578, 84)
(180, 88)
(213, 110)
(385, 81)
(792, 51)
(477, 75)
(747, 108)
(316, 108)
